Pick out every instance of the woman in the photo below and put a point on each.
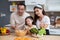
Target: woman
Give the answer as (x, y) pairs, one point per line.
(40, 18)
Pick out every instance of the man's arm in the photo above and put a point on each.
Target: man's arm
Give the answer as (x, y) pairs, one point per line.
(12, 21)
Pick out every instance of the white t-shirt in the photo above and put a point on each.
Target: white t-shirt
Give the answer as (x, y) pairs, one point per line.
(17, 20)
(27, 27)
(45, 20)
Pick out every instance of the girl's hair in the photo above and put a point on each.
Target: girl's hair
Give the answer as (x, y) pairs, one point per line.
(30, 17)
(35, 16)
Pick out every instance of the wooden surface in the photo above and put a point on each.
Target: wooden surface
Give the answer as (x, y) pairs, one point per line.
(45, 37)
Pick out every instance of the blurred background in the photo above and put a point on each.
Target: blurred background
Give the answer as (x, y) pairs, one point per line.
(51, 7)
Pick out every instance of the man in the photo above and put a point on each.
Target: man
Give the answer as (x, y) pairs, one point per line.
(17, 19)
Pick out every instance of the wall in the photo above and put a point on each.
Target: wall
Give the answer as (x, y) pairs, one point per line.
(4, 9)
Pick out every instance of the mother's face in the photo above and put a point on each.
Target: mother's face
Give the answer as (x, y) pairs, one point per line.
(38, 11)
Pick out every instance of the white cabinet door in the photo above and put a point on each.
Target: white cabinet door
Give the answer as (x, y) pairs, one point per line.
(16, 0)
(53, 5)
(34, 2)
(30, 2)
(29, 8)
(41, 2)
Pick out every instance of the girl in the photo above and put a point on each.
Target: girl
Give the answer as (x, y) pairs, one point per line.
(29, 24)
(40, 18)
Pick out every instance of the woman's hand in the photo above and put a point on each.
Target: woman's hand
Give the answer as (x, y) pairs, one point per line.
(42, 25)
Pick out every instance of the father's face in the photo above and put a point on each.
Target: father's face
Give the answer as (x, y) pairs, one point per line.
(21, 9)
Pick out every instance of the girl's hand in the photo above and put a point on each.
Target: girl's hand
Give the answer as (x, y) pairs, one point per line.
(28, 31)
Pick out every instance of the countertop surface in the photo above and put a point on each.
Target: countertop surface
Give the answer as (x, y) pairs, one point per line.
(45, 37)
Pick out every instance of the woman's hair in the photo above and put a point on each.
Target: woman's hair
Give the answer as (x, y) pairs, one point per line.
(35, 16)
(30, 17)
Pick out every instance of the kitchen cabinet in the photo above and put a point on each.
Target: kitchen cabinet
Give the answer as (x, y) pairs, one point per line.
(34, 2)
(31, 3)
(15, 0)
(49, 5)
(29, 8)
(53, 5)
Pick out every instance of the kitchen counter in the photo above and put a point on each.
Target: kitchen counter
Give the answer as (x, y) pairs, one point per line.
(45, 37)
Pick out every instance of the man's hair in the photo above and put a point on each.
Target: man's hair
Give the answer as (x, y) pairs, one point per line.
(21, 4)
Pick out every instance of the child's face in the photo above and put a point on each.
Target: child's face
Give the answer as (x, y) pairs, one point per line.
(29, 21)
